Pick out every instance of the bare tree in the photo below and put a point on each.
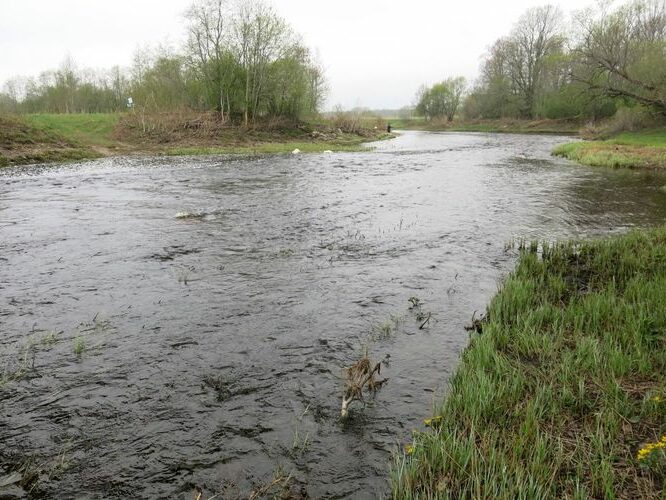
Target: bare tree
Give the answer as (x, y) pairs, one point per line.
(210, 24)
(14, 91)
(261, 37)
(537, 35)
(317, 84)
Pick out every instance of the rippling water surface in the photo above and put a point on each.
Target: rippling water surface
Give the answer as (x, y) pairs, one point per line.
(215, 302)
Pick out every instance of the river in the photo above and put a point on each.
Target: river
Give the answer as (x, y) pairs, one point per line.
(168, 323)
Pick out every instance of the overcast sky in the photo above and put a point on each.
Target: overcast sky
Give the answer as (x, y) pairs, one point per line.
(376, 53)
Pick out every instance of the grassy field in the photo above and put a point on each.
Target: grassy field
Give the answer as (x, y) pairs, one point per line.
(643, 149)
(95, 129)
(562, 394)
(22, 142)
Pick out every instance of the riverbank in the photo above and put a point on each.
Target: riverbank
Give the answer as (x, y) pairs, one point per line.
(69, 137)
(22, 142)
(504, 125)
(641, 149)
(561, 392)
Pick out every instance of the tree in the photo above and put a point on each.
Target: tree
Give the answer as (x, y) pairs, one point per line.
(442, 99)
(12, 93)
(536, 37)
(317, 84)
(521, 67)
(497, 96)
(622, 54)
(250, 60)
(209, 51)
(261, 37)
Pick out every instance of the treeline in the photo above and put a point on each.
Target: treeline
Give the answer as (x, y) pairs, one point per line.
(240, 59)
(587, 68)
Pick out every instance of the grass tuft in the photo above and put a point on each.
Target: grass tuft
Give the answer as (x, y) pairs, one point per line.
(644, 149)
(79, 346)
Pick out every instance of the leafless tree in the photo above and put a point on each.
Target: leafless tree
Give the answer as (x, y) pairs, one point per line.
(537, 35)
(260, 38)
(210, 24)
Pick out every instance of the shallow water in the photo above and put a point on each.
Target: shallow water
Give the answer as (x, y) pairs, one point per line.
(216, 301)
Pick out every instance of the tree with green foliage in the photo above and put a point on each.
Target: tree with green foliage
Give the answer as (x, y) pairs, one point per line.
(442, 100)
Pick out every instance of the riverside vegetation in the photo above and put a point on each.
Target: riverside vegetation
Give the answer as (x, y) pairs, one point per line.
(562, 392)
(631, 149)
(69, 137)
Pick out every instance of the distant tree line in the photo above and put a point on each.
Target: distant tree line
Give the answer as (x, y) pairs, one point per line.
(606, 59)
(240, 59)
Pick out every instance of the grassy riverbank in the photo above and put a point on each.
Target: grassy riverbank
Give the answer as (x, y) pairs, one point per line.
(564, 386)
(66, 137)
(642, 149)
(22, 142)
(94, 129)
(505, 125)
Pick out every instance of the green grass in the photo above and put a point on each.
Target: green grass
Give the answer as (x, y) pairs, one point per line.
(94, 129)
(655, 138)
(79, 346)
(643, 149)
(596, 156)
(563, 386)
(23, 142)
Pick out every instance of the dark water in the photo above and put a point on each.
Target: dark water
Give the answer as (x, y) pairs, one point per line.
(211, 344)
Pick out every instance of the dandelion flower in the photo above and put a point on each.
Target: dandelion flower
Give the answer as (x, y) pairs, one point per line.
(647, 450)
(433, 422)
(409, 449)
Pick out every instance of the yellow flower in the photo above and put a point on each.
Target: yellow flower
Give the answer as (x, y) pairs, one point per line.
(650, 447)
(657, 399)
(409, 449)
(432, 422)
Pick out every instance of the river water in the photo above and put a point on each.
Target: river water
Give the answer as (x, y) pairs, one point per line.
(167, 323)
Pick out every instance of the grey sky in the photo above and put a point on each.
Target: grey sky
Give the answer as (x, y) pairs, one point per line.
(376, 53)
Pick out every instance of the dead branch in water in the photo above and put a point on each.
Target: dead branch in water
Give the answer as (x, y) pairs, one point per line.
(476, 324)
(358, 376)
(426, 321)
(281, 483)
